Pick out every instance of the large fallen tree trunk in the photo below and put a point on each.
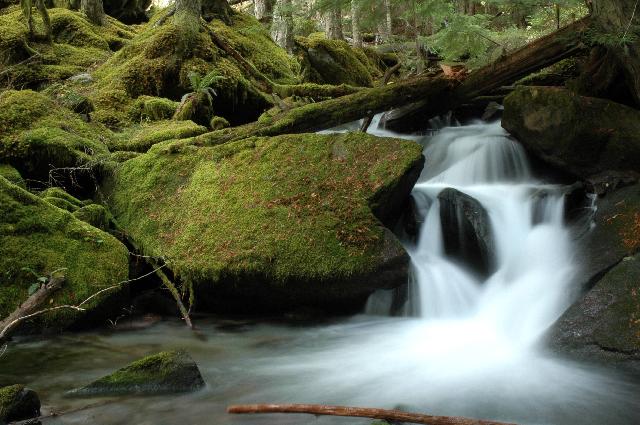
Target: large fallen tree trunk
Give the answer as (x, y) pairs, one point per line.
(435, 95)
(360, 412)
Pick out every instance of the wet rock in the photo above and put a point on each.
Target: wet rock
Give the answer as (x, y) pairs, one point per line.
(18, 403)
(609, 181)
(273, 223)
(580, 135)
(466, 230)
(163, 373)
(615, 234)
(605, 324)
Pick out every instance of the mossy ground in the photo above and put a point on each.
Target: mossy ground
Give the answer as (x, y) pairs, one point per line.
(11, 174)
(292, 207)
(36, 135)
(37, 238)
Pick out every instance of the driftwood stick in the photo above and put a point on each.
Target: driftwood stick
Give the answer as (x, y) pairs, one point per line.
(31, 305)
(174, 292)
(359, 412)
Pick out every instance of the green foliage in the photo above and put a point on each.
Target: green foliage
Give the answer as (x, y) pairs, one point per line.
(465, 37)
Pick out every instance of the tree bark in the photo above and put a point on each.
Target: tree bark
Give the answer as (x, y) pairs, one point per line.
(263, 10)
(430, 96)
(360, 412)
(356, 11)
(93, 10)
(622, 17)
(282, 29)
(42, 9)
(333, 24)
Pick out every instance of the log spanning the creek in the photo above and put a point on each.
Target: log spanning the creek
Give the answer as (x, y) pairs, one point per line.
(430, 95)
(359, 412)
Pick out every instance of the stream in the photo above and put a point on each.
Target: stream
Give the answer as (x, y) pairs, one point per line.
(461, 344)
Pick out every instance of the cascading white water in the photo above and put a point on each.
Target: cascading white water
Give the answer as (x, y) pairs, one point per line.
(470, 345)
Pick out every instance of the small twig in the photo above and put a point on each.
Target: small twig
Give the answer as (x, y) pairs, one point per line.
(360, 412)
(633, 14)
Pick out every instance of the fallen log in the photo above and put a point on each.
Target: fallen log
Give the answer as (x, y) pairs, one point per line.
(359, 412)
(533, 57)
(435, 95)
(31, 305)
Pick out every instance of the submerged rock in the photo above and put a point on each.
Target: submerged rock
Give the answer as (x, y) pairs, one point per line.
(605, 324)
(162, 373)
(18, 403)
(267, 224)
(38, 239)
(466, 230)
(580, 135)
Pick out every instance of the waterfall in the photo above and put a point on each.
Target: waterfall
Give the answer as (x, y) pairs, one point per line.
(492, 269)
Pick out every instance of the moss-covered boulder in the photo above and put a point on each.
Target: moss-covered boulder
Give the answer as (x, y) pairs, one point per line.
(77, 45)
(327, 61)
(605, 324)
(162, 373)
(272, 223)
(149, 108)
(37, 239)
(36, 135)
(580, 135)
(18, 403)
(94, 214)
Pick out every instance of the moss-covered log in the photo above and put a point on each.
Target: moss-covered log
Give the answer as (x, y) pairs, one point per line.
(435, 95)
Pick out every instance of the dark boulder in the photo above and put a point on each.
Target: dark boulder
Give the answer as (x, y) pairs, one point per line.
(605, 324)
(18, 403)
(129, 12)
(580, 135)
(466, 229)
(614, 235)
(162, 373)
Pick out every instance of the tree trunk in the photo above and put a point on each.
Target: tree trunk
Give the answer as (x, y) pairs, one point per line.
(333, 24)
(93, 10)
(431, 96)
(42, 9)
(263, 10)
(355, 23)
(282, 29)
(621, 17)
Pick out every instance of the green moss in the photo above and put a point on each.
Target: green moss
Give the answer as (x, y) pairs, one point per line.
(36, 236)
(165, 372)
(68, 97)
(56, 192)
(11, 174)
(287, 208)
(249, 37)
(149, 108)
(94, 214)
(140, 138)
(18, 403)
(61, 203)
(36, 134)
(334, 62)
(218, 123)
(77, 45)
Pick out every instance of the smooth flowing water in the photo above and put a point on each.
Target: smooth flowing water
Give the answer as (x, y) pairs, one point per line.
(465, 345)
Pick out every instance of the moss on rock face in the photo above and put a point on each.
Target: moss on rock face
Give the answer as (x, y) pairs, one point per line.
(162, 373)
(141, 138)
(580, 135)
(18, 403)
(334, 62)
(37, 135)
(149, 108)
(37, 238)
(288, 216)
